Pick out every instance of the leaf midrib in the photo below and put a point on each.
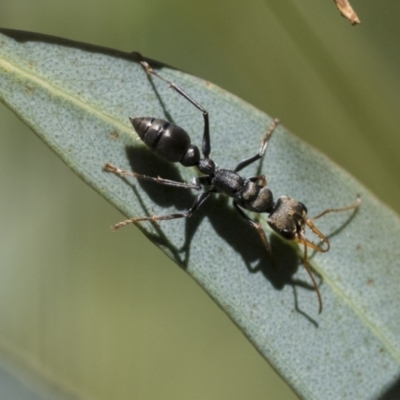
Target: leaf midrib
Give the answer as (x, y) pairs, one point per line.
(8, 65)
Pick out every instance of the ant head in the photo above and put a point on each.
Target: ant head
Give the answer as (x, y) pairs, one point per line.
(288, 218)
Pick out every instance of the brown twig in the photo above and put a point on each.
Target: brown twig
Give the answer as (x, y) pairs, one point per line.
(347, 11)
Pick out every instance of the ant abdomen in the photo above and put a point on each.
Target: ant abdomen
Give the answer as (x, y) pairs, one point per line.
(169, 141)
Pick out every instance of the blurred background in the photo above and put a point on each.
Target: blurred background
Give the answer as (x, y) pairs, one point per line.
(108, 316)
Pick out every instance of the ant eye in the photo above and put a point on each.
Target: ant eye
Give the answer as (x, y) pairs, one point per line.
(303, 206)
(288, 234)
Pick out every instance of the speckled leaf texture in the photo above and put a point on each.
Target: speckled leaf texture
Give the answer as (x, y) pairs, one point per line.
(78, 99)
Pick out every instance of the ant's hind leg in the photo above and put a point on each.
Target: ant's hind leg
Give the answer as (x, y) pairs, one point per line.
(161, 181)
(206, 147)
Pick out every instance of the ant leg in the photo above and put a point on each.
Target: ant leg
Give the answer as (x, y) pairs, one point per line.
(206, 147)
(317, 232)
(260, 178)
(201, 198)
(306, 243)
(356, 204)
(259, 228)
(264, 144)
(161, 181)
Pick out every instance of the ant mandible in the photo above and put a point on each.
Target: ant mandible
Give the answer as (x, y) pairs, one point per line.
(287, 217)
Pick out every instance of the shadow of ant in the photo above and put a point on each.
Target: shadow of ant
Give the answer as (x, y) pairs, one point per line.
(225, 221)
(282, 215)
(392, 392)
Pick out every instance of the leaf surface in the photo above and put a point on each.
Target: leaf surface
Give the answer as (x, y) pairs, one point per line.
(77, 98)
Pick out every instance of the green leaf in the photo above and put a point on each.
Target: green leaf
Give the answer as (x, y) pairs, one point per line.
(78, 98)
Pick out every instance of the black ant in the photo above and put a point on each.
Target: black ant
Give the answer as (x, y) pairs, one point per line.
(287, 217)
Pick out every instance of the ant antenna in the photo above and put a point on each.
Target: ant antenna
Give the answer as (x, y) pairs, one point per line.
(307, 243)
